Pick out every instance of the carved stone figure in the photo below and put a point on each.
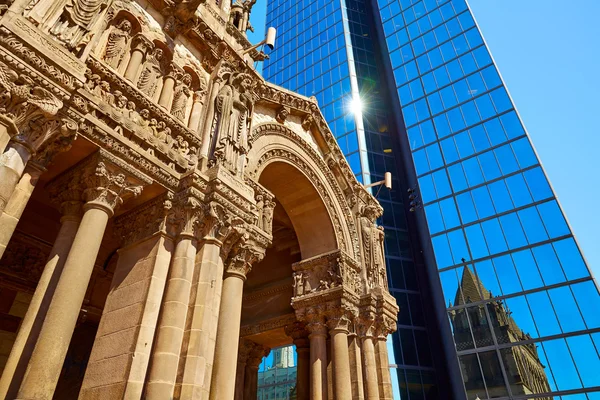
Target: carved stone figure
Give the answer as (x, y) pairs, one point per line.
(234, 104)
(260, 205)
(76, 21)
(181, 96)
(373, 238)
(116, 45)
(151, 73)
(267, 216)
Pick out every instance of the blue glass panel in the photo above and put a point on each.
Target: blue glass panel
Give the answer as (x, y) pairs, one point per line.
(571, 259)
(427, 189)
(513, 232)
(441, 249)
(501, 100)
(521, 314)
(470, 114)
(473, 171)
(553, 219)
(494, 236)
(449, 213)
(509, 280)
(435, 156)
(457, 177)
(512, 125)
(489, 165)
(524, 153)
(466, 208)
(479, 138)
(548, 264)
(464, 144)
(442, 185)
(588, 300)
(476, 241)
(491, 77)
(537, 183)
(565, 307)
(449, 150)
(421, 164)
(527, 269)
(507, 160)
(428, 132)
(487, 276)
(483, 202)
(434, 218)
(495, 131)
(531, 222)
(563, 369)
(518, 190)
(586, 359)
(500, 196)
(441, 126)
(542, 311)
(458, 246)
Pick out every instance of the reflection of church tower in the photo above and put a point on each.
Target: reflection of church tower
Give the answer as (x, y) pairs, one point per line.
(523, 367)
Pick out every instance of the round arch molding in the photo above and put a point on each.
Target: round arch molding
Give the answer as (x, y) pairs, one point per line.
(274, 143)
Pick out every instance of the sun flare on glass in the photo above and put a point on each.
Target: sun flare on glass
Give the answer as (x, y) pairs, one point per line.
(356, 105)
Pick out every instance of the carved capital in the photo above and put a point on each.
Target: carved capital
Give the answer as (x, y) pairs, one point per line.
(337, 320)
(101, 179)
(365, 327)
(53, 136)
(256, 354)
(188, 217)
(299, 333)
(22, 101)
(242, 258)
(141, 43)
(146, 220)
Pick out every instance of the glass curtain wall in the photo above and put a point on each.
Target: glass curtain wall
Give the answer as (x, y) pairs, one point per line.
(326, 49)
(522, 305)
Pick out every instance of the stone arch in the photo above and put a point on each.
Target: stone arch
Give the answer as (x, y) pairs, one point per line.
(272, 142)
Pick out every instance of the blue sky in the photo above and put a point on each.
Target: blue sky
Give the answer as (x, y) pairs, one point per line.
(548, 52)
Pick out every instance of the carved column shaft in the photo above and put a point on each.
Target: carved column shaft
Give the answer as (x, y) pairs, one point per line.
(201, 328)
(166, 95)
(356, 368)
(29, 330)
(16, 205)
(49, 354)
(251, 373)
(318, 361)
(368, 350)
(228, 333)
(300, 336)
(196, 113)
(139, 46)
(383, 369)
(171, 325)
(341, 358)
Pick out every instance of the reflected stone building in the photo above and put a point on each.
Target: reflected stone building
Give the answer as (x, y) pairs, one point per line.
(277, 375)
(168, 216)
(522, 363)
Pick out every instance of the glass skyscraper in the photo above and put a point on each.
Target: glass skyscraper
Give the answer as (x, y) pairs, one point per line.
(496, 300)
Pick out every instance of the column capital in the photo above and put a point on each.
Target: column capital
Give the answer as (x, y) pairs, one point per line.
(101, 180)
(256, 353)
(299, 333)
(383, 327)
(338, 321)
(141, 43)
(242, 258)
(146, 220)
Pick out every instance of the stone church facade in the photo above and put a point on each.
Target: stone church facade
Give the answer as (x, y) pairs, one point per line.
(168, 216)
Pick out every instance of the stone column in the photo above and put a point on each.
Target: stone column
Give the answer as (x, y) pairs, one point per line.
(230, 314)
(20, 354)
(318, 360)
(356, 370)
(196, 113)
(383, 368)
(165, 356)
(121, 353)
(257, 353)
(106, 187)
(166, 94)
(16, 204)
(240, 375)
(201, 328)
(12, 165)
(139, 47)
(338, 331)
(371, 373)
(299, 334)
